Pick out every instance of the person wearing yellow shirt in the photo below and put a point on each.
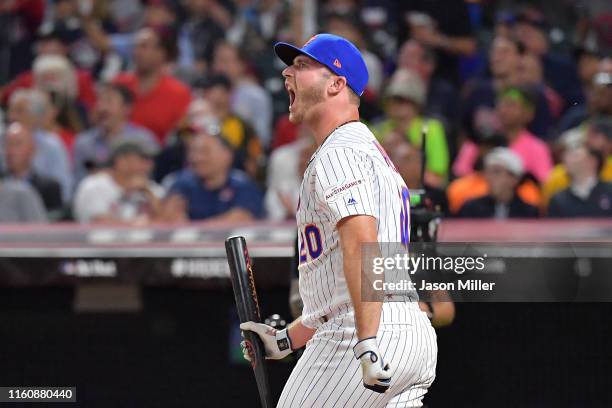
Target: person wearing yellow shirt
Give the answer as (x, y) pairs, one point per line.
(404, 99)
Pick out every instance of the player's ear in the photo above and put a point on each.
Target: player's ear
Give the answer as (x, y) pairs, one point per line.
(337, 85)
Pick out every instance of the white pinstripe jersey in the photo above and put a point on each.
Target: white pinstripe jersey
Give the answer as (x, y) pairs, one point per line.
(349, 174)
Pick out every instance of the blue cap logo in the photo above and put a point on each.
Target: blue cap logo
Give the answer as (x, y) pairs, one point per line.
(336, 53)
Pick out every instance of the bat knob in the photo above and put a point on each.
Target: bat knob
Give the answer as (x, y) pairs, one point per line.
(276, 321)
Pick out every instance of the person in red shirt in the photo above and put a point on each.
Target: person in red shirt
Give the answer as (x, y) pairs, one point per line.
(160, 100)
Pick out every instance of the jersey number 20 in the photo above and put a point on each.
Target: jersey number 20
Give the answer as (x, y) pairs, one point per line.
(311, 239)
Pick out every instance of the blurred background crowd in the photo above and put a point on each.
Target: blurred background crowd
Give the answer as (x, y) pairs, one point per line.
(140, 111)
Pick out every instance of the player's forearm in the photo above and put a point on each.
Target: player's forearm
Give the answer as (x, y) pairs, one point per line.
(367, 314)
(367, 319)
(353, 233)
(299, 334)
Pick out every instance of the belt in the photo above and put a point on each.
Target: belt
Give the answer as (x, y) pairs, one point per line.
(337, 310)
(400, 298)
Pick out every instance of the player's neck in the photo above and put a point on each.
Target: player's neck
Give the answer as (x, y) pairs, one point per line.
(323, 124)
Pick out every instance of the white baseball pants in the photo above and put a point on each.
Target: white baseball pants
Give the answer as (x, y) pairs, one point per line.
(328, 375)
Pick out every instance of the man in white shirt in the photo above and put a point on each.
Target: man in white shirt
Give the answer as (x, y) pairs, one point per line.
(124, 194)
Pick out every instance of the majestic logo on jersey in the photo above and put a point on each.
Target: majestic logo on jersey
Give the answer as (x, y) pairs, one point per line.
(351, 201)
(334, 193)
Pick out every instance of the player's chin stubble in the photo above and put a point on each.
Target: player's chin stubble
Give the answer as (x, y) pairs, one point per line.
(308, 98)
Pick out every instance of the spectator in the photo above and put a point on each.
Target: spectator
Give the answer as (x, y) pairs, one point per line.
(503, 170)
(19, 22)
(441, 100)
(124, 194)
(30, 108)
(86, 25)
(503, 24)
(19, 148)
(599, 102)
(53, 41)
(158, 14)
(203, 29)
(19, 203)
(531, 74)
(248, 100)
(257, 27)
(160, 100)
(587, 195)
(602, 90)
(405, 99)
(407, 159)
(531, 29)
(479, 96)
(55, 75)
(599, 138)
(514, 110)
(258, 24)
(347, 25)
(587, 62)
(173, 157)
(442, 25)
(112, 112)
(210, 189)
(286, 168)
(474, 185)
(284, 133)
(248, 151)
(126, 14)
(56, 115)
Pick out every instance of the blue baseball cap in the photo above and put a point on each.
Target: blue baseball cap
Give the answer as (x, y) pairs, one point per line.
(335, 52)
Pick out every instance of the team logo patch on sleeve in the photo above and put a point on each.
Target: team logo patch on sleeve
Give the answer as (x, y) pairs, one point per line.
(334, 193)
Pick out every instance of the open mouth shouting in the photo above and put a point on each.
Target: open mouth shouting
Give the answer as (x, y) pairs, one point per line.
(291, 93)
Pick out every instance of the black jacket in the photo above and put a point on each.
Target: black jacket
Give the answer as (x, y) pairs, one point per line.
(597, 204)
(484, 207)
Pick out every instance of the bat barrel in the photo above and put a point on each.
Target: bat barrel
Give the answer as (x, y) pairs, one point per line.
(242, 277)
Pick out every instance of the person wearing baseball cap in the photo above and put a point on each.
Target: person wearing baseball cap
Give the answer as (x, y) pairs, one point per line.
(124, 193)
(327, 72)
(351, 194)
(503, 170)
(405, 98)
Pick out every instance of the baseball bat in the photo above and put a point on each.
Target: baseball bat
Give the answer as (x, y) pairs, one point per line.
(247, 303)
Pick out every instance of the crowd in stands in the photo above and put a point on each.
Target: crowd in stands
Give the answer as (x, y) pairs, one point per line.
(140, 111)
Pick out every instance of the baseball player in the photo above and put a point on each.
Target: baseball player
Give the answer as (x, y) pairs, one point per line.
(358, 354)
